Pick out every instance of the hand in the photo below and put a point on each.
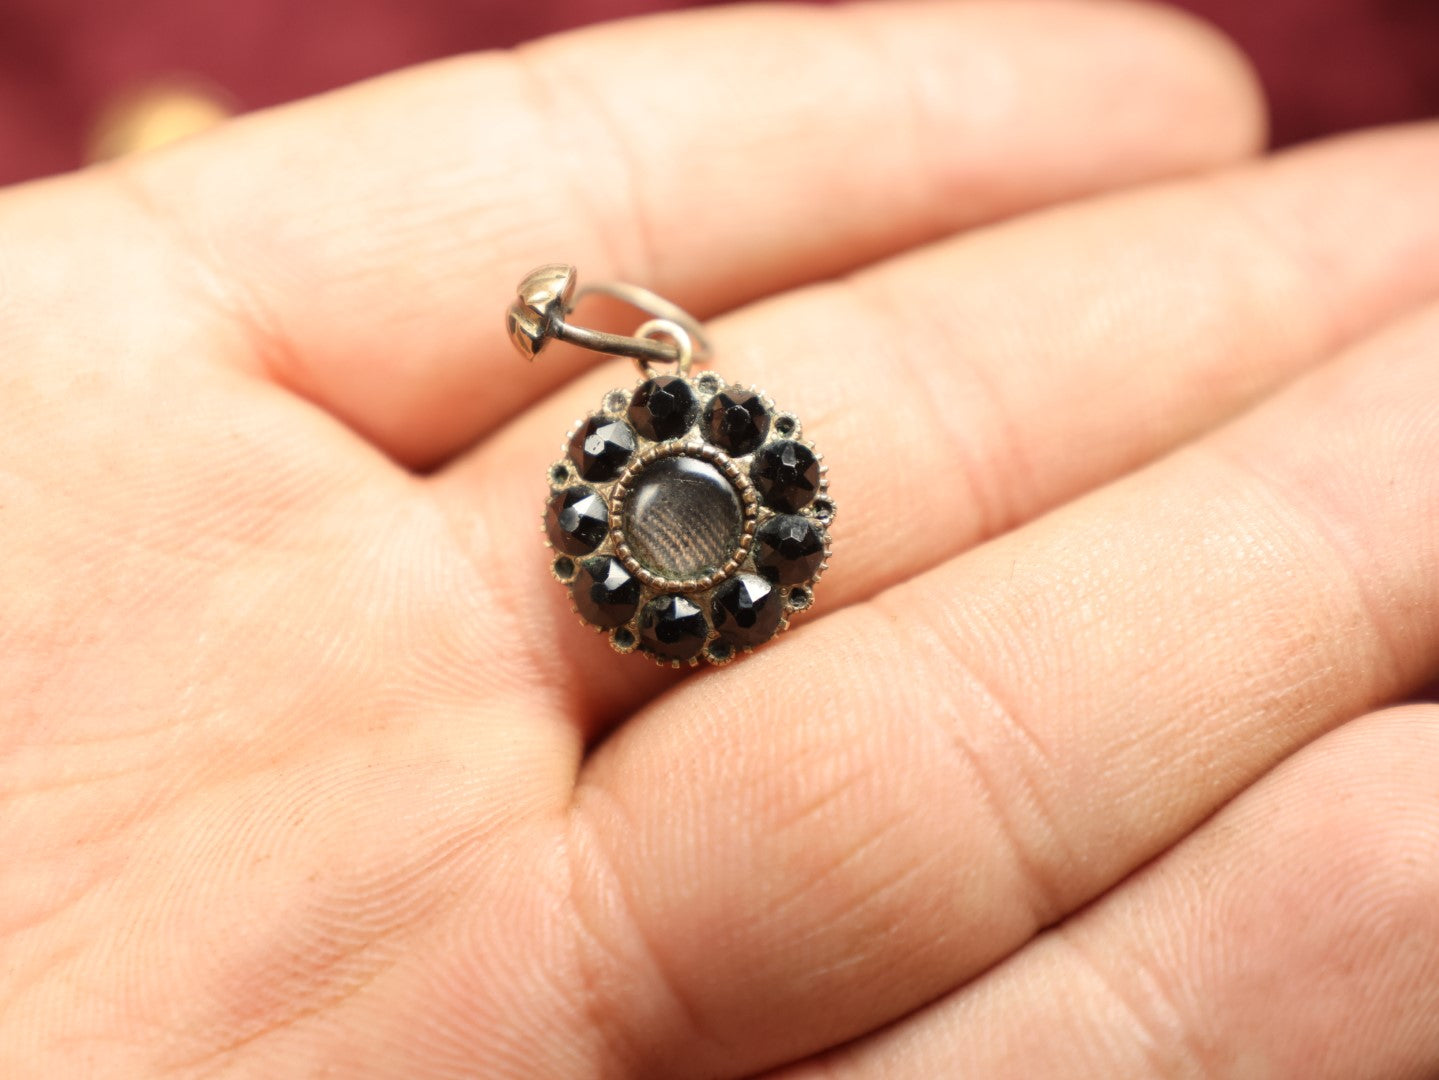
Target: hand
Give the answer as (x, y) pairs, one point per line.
(308, 769)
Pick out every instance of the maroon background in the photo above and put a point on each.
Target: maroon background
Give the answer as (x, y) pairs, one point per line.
(1328, 64)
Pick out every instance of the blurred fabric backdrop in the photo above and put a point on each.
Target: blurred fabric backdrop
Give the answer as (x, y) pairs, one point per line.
(81, 79)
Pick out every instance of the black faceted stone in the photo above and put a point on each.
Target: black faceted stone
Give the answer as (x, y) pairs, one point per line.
(605, 593)
(663, 408)
(786, 475)
(576, 520)
(673, 628)
(601, 448)
(737, 421)
(788, 549)
(719, 651)
(683, 519)
(746, 610)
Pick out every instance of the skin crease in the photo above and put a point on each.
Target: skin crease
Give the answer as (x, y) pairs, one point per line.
(308, 770)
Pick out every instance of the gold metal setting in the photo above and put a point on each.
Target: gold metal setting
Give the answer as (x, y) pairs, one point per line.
(701, 451)
(671, 337)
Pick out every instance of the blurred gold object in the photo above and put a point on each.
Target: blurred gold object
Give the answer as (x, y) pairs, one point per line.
(153, 115)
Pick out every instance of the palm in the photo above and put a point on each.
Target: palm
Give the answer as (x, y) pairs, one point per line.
(297, 775)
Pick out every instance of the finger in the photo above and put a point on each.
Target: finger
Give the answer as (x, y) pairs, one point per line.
(903, 793)
(1054, 353)
(1297, 934)
(369, 240)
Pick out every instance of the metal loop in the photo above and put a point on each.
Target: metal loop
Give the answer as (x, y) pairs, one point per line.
(676, 333)
(548, 295)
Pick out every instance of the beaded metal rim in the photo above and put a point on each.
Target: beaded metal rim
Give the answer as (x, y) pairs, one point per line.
(700, 451)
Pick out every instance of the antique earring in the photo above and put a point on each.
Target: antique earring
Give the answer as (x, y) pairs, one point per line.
(689, 518)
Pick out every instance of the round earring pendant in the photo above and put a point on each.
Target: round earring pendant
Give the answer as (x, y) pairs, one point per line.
(689, 519)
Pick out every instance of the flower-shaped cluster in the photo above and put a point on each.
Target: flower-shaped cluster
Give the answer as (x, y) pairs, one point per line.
(689, 519)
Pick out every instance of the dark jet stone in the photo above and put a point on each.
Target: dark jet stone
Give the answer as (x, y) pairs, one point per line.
(746, 610)
(683, 519)
(673, 628)
(576, 520)
(601, 448)
(786, 475)
(605, 593)
(663, 408)
(788, 549)
(738, 421)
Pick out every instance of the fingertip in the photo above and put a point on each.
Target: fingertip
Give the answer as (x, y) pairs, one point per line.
(1220, 81)
(1126, 91)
